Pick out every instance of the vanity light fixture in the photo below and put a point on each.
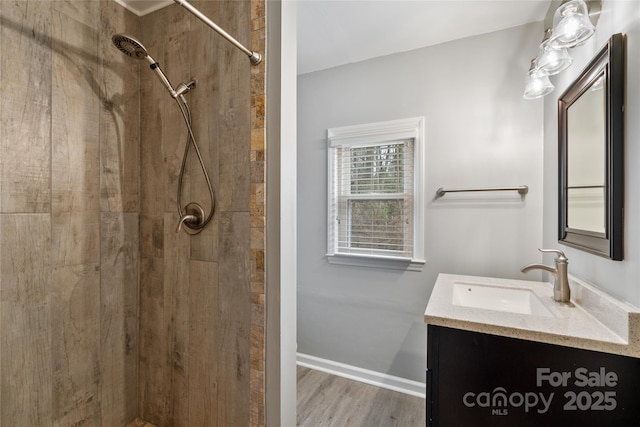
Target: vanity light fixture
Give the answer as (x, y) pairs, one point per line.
(551, 61)
(571, 25)
(538, 85)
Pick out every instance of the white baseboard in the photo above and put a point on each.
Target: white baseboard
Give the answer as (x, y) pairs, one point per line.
(378, 379)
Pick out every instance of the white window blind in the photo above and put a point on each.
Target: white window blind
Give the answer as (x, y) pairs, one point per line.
(373, 207)
(375, 194)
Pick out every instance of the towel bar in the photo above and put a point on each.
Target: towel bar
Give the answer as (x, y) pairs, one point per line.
(523, 189)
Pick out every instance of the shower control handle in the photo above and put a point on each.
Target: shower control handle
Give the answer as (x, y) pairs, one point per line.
(186, 219)
(192, 219)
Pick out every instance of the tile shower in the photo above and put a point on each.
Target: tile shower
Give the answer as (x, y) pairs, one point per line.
(106, 314)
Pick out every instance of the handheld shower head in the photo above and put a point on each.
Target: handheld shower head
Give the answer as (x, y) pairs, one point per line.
(130, 46)
(133, 48)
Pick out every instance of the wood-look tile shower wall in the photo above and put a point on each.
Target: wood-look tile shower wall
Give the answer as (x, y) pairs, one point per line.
(202, 297)
(69, 213)
(105, 312)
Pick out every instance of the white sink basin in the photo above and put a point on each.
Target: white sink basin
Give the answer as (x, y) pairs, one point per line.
(498, 298)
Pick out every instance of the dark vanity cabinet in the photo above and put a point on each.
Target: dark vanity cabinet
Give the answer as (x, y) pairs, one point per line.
(475, 379)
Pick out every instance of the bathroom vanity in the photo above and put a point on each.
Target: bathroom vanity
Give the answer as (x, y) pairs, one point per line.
(503, 353)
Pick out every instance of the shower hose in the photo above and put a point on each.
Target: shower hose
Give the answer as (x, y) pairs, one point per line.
(194, 224)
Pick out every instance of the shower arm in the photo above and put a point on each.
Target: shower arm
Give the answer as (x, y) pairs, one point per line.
(254, 57)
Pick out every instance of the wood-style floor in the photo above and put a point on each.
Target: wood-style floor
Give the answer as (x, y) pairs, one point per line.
(326, 400)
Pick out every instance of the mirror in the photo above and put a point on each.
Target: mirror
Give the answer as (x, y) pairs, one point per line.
(591, 145)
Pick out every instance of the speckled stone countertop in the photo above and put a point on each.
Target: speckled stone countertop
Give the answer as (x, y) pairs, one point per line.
(597, 322)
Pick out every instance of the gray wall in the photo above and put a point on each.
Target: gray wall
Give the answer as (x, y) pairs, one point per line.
(619, 278)
(479, 132)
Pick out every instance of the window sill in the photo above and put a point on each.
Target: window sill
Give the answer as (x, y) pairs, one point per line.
(391, 263)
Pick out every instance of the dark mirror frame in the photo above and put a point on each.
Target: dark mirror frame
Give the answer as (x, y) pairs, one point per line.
(611, 59)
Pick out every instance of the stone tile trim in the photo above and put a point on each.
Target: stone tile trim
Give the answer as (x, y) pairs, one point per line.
(257, 213)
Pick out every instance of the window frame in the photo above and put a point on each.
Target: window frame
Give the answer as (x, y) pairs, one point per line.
(371, 134)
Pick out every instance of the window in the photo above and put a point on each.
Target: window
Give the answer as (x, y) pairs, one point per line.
(376, 209)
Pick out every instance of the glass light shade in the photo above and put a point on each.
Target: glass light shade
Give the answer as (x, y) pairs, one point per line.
(551, 61)
(537, 87)
(571, 25)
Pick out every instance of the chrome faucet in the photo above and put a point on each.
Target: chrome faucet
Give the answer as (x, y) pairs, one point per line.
(561, 290)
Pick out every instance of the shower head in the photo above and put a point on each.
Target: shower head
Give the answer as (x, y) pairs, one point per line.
(130, 46)
(133, 48)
